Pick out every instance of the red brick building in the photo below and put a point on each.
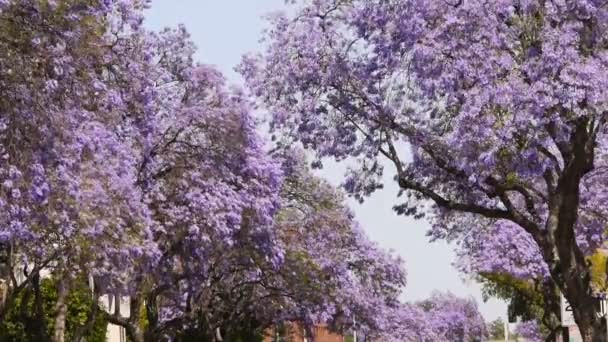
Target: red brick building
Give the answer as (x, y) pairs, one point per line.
(296, 333)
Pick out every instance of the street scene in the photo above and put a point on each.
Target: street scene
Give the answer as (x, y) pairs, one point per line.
(303, 170)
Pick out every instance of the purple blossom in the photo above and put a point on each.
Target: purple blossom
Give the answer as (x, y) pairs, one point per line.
(485, 110)
(530, 331)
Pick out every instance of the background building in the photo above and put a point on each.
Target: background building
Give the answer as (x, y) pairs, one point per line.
(295, 333)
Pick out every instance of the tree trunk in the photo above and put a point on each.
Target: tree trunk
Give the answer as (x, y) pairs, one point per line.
(40, 331)
(570, 271)
(592, 328)
(3, 293)
(132, 329)
(553, 335)
(131, 324)
(592, 333)
(218, 335)
(135, 333)
(6, 270)
(82, 331)
(568, 265)
(61, 309)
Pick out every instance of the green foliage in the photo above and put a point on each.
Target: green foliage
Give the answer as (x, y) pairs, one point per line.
(27, 321)
(598, 271)
(525, 300)
(496, 329)
(534, 299)
(349, 338)
(528, 299)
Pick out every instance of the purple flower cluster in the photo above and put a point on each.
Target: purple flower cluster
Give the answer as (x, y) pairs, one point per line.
(491, 114)
(530, 331)
(441, 317)
(69, 150)
(123, 160)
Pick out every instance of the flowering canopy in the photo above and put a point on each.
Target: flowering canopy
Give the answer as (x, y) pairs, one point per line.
(126, 161)
(530, 331)
(495, 111)
(441, 317)
(123, 160)
(69, 136)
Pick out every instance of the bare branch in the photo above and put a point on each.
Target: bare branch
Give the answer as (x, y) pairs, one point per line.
(453, 205)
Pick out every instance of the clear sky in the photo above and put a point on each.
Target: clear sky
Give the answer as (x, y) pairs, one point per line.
(224, 30)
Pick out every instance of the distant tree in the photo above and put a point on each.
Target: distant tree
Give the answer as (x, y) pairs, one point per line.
(441, 317)
(496, 329)
(454, 318)
(530, 331)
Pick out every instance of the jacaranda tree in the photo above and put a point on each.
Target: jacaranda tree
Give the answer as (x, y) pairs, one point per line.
(129, 170)
(441, 317)
(127, 164)
(206, 182)
(330, 273)
(73, 118)
(492, 114)
(341, 277)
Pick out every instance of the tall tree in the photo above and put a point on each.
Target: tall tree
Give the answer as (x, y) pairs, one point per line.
(226, 256)
(125, 162)
(72, 101)
(206, 182)
(492, 112)
(331, 273)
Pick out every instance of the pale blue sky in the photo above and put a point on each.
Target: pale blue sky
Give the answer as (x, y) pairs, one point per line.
(224, 30)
